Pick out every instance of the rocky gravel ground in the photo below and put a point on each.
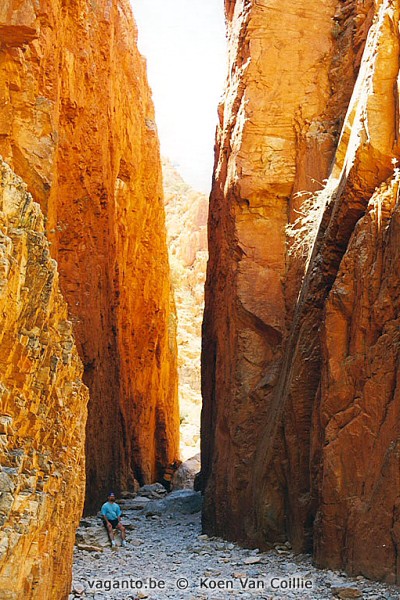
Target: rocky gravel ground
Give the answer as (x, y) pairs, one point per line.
(168, 557)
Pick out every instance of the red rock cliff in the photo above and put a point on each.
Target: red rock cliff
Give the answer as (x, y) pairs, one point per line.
(299, 421)
(43, 408)
(77, 123)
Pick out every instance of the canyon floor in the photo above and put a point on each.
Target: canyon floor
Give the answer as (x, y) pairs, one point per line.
(168, 557)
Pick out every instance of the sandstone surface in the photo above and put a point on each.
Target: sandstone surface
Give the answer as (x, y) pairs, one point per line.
(301, 350)
(77, 123)
(357, 522)
(274, 138)
(43, 408)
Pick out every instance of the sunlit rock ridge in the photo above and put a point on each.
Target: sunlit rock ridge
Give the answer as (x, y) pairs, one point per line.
(300, 424)
(43, 408)
(77, 125)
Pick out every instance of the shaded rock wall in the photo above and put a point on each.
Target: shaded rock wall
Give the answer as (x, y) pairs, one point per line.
(77, 123)
(310, 447)
(43, 408)
(265, 120)
(357, 525)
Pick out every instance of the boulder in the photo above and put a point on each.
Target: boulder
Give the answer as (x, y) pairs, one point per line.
(95, 536)
(138, 503)
(185, 475)
(185, 502)
(155, 490)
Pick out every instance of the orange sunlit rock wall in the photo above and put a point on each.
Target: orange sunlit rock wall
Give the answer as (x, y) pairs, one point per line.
(77, 123)
(299, 427)
(43, 408)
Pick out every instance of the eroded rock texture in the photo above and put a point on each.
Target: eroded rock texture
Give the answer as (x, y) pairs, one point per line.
(43, 408)
(77, 123)
(299, 422)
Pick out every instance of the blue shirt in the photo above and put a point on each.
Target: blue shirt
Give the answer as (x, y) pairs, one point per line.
(111, 510)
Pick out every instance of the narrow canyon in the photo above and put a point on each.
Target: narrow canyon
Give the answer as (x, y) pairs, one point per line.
(300, 424)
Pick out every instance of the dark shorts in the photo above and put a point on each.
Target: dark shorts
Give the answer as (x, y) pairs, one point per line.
(114, 523)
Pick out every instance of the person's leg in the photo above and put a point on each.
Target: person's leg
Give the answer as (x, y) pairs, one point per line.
(111, 525)
(108, 528)
(111, 533)
(122, 530)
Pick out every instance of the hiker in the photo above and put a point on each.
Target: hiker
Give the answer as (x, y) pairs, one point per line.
(111, 514)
